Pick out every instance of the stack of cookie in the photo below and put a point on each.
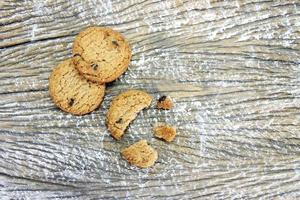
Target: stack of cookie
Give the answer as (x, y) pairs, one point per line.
(100, 55)
(77, 86)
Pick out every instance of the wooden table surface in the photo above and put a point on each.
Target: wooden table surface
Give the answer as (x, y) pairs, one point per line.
(233, 68)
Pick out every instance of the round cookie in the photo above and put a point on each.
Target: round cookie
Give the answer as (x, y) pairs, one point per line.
(101, 54)
(73, 93)
(124, 109)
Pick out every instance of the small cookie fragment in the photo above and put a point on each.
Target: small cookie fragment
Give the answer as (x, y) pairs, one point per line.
(165, 132)
(101, 54)
(124, 109)
(73, 93)
(165, 103)
(140, 154)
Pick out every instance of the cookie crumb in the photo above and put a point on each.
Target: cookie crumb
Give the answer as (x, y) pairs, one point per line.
(165, 103)
(165, 132)
(124, 109)
(140, 154)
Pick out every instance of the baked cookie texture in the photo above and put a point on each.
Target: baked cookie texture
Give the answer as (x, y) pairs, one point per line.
(124, 109)
(73, 93)
(165, 132)
(164, 103)
(101, 54)
(140, 154)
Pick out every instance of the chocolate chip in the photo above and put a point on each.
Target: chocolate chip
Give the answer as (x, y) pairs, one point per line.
(76, 54)
(162, 98)
(115, 43)
(119, 121)
(94, 66)
(71, 102)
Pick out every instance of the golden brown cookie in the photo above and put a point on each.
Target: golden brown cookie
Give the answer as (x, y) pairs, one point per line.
(124, 109)
(165, 103)
(101, 54)
(73, 93)
(165, 132)
(140, 154)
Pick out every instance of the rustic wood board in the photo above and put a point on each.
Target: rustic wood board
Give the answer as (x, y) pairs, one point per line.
(233, 68)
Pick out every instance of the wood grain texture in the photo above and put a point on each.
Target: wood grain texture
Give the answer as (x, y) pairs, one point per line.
(233, 68)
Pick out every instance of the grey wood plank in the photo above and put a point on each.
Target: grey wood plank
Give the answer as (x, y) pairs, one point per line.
(232, 67)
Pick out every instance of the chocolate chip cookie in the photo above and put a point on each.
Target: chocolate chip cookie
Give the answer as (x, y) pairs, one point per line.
(73, 93)
(101, 54)
(124, 109)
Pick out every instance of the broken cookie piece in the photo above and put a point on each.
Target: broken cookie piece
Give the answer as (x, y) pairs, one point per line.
(140, 154)
(123, 109)
(164, 103)
(165, 132)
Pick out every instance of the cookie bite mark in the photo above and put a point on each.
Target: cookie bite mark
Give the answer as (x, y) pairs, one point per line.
(140, 154)
(164, 103)
(123, 110)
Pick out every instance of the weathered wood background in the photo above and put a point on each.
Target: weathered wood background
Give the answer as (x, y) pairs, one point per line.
(232, 66)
